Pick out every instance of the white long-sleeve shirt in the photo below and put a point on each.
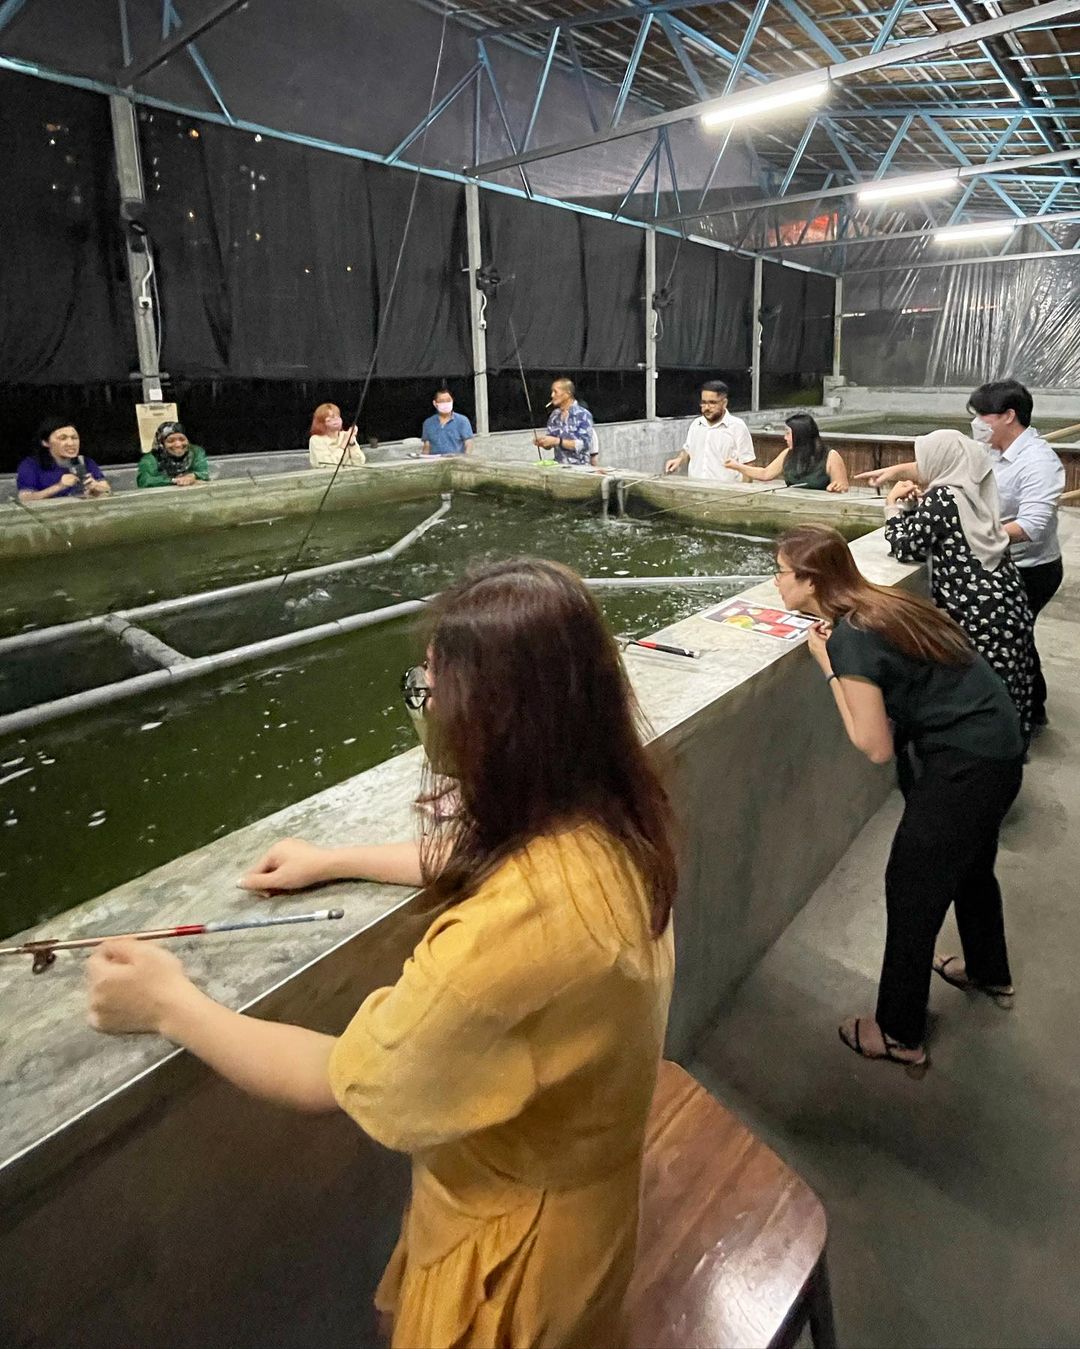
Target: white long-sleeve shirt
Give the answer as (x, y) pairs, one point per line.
(1030, 478)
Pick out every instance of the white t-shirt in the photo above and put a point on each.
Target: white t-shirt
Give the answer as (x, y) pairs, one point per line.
(709, 446)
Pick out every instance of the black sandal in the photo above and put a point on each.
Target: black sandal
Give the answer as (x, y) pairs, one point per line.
(915, 1068)
(1001, 995)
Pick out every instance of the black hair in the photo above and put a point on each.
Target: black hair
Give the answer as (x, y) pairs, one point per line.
(41, 438)
(715, 386)
(1002, 395)
(808, 451)
(442, 389)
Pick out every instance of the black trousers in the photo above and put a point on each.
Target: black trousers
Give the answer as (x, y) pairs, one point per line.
(1041, 584)
(944, 853)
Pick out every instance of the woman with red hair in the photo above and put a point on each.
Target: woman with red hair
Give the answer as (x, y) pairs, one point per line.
(331, 444)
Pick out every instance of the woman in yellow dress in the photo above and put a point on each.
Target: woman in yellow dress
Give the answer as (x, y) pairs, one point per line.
(516, 1057)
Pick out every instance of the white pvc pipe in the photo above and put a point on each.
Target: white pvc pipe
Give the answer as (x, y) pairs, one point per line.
(106, 694)
(59, 630)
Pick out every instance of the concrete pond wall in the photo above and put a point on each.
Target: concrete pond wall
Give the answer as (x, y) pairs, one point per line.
(144, 1201)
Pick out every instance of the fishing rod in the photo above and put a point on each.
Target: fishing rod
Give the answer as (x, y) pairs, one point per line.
(391, 291)
(666, 647)
(524, 383)
(44, 950)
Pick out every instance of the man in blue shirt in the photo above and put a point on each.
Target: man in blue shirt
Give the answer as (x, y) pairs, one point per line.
(570, 431)
(447, 431)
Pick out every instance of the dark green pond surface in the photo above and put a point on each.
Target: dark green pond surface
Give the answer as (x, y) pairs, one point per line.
(88, 802)
(900, 424)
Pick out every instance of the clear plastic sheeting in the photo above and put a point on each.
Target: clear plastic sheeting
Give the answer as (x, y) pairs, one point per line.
(962, 325)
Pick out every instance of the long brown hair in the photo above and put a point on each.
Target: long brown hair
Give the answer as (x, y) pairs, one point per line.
(911, 624)
(534, 715)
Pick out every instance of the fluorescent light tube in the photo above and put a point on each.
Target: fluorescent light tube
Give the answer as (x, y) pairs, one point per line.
(933, 184)
(753, 104)
(986, 229)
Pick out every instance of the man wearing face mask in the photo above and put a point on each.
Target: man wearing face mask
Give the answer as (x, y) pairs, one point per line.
(447, 431)
(1030, 478)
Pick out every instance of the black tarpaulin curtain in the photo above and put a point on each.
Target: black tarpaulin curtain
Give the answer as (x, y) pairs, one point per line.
(797, 321)
(65, 306)
(571, 290)
(707, 324)
(276, 261)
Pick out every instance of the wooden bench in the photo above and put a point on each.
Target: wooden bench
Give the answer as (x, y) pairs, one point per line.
(731, 1250)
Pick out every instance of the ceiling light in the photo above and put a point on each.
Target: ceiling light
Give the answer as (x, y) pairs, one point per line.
(986, 229)
(931, 185)
(753, 104)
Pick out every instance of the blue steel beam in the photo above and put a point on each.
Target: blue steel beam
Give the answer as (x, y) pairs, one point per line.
(888, 24)
(435, 113)
(716, 49)
(9, 10)
(593, 18)
(545, 71)
(679, 48)
(800, 150)
(173, 20)
(664, 136)
(744, 46)
(653, 152)
(812, 31)
(716, 165)
(946, 140)
(125, 31)
(485, 61)
(631, 71)
(575, 60)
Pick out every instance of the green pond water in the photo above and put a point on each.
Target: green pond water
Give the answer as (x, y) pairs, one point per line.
(87, 802)
(900, 424)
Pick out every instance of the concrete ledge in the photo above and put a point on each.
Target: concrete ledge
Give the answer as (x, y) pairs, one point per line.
(134, 1138)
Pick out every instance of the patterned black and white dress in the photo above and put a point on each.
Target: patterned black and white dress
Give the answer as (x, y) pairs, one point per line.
(991, 606)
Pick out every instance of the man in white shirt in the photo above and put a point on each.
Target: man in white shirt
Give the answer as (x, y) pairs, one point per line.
(1030, 478)
(713, 438)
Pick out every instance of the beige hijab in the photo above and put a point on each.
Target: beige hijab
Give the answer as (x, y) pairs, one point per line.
(949, 459)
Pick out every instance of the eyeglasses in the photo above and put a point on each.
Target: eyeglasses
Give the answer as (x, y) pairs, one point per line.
(415, 688)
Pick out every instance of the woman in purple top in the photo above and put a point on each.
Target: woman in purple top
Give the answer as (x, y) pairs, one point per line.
(58, 469)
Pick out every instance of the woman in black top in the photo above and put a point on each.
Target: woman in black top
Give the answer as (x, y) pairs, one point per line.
(897, 664)
(952, 520)
(805, 461)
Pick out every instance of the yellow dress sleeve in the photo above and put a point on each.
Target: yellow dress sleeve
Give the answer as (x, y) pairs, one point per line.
(422, 1063)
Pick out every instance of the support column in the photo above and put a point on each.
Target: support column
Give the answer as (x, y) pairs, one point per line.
(755, 339)
(650, 325)
(476, 310)
(139, 259)
(837, 325)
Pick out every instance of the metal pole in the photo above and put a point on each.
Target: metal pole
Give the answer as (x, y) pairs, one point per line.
(837, 325)
(755, 347)
(140, 261)
(476, 310)
(650, 325)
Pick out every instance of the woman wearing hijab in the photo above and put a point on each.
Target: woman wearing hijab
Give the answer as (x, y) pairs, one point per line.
(954, 523)
(174, 461)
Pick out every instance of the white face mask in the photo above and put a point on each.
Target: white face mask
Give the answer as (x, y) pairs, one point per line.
(444, 407)
(981, 431)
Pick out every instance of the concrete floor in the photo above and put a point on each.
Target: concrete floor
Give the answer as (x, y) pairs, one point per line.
(953, 1202)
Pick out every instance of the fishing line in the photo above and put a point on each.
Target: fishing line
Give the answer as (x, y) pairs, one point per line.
(276, 594)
